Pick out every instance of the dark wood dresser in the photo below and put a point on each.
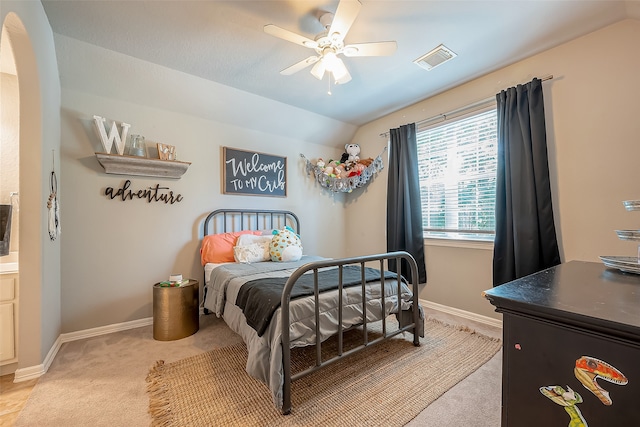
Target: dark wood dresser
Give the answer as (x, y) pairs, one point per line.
(571, 341)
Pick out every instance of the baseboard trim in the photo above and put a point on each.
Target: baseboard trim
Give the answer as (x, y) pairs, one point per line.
(103, 330)
(490, 321)
(32, 372)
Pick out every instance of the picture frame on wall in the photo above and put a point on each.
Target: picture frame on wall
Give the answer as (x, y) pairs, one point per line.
(253, 173)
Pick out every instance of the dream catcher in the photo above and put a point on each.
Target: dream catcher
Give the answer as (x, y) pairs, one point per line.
(53, 205)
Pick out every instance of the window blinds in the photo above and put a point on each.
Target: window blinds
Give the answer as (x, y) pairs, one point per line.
(457, 162)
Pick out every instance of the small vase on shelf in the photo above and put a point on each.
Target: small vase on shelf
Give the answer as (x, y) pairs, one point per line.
(137, 146)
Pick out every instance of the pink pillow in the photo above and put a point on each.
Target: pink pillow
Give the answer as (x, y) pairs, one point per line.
(217, 248)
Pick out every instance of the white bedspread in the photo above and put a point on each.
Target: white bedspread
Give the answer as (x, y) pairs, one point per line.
(265, 354)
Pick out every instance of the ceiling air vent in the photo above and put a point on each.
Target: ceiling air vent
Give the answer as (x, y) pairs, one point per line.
(436, 57)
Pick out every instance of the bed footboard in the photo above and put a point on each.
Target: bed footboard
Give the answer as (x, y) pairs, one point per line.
(412, 327)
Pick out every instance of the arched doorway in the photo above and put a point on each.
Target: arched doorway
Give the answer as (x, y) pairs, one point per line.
(28, 316)
(10, 203)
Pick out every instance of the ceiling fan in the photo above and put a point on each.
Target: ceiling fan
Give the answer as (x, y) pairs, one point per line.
(330, 43)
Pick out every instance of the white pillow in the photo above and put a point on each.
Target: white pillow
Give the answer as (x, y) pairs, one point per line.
(253, 252)
(248, 239)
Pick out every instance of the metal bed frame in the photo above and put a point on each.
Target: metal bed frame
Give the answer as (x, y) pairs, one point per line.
(270, 217)
(267, 218)
(224, 220)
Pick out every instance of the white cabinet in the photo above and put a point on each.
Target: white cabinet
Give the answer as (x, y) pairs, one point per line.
(8, 317)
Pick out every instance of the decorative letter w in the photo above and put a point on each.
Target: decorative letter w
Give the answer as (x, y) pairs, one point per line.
(107, 141)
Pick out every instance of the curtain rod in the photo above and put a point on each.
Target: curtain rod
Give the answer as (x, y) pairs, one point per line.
(467, 108)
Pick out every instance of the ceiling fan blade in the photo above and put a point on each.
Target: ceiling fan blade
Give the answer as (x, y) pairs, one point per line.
(343, 19)
(299, 65)
(276, 31)
(370, 49)
(318, 70)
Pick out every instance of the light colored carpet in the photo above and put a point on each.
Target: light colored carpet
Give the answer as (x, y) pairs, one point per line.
(100, 381)
(384, 385)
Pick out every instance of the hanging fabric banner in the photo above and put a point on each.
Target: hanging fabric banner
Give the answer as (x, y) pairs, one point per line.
(53, 206)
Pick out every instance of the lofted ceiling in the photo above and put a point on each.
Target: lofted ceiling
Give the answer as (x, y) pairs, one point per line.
(224, 41)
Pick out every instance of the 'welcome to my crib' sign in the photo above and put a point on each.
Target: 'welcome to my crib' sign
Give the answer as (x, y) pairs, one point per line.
(253, 173)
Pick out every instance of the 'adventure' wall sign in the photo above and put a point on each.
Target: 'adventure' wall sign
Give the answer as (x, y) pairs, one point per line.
(151, 194)
(253, 173)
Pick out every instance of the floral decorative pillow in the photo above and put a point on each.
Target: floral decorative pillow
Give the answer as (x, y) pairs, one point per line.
(253, 252)
(252, 248)
(247, 239)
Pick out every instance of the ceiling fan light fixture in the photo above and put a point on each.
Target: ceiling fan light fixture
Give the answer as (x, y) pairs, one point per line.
(318, 70)
(346, 78)
(338, 70)
(330, 60)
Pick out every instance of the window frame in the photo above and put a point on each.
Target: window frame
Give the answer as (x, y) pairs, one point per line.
(453, 238)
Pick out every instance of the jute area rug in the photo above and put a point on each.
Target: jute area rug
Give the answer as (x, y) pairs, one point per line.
(387, 384)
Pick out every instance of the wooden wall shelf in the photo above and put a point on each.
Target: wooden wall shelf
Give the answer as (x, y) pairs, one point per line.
(141, 166)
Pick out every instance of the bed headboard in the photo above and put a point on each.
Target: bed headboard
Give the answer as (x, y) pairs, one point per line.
(226, 220)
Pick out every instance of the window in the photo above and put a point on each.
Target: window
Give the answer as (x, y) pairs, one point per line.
(457, 163)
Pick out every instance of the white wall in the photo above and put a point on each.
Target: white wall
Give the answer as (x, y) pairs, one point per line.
(591, 107)
(113, 251)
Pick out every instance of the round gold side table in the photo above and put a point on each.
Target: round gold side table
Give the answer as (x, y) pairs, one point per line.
(176, 311)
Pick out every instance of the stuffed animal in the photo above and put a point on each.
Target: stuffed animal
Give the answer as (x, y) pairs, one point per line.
(366, 162)
(352, 150)
(285, 245)
(351, 153)
(357, 169)
(320, 163)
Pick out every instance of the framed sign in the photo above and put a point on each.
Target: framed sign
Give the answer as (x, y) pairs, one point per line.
(253, 173)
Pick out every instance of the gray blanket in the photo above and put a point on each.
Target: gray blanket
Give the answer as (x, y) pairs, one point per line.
(264, 361)
(260, 298)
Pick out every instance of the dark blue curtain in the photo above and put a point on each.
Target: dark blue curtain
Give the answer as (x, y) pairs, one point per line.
(525, 231)
(404, 211)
